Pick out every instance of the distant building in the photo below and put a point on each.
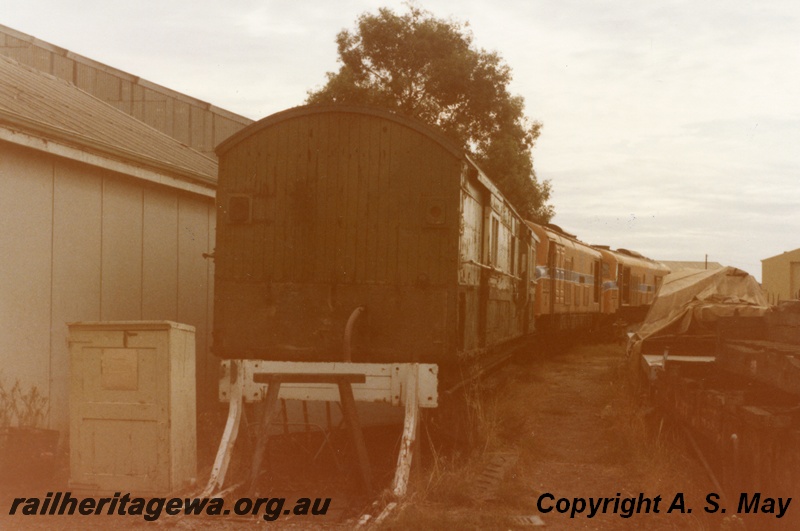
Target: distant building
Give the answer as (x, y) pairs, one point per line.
(675, 266)
(780, 276)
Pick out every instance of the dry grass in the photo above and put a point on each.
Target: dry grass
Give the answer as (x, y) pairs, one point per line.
(577, 408)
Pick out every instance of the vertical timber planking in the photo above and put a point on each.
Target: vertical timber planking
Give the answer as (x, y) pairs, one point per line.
(222, 256)
(287, 182)
(433, 235)
(270, 162)
(352, 197)
(340, 170)
(242, 231)
(399, 202)
(382, 226)
(232, 236)
(247, 175)
(451, 188)
(256, 168)
(405, 170)
(364, 179)
(348, 205)
(299, 201)
(441, 163)
(393, 195)
(311, 217)
(373, 204)
(293, 181)
(279, 241)
(417, 180)
(323, 195)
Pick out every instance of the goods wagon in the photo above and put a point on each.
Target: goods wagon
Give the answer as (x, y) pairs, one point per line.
(351, 233)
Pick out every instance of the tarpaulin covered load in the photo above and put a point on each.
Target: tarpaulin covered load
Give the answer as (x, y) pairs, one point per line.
(691, 301)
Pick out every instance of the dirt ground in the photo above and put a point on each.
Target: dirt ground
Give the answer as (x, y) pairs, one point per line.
(550, 427)
(575, 429)
(593, 441)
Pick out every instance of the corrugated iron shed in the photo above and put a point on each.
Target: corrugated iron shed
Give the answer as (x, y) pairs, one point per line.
(780, 275)
(41, 105)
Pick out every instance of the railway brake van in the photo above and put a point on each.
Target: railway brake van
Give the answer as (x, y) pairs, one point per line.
(349, 233)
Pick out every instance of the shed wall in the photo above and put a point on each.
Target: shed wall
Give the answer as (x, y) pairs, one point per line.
(84, 244)
(780, 276)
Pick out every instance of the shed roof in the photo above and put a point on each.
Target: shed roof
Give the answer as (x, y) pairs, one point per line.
(784, 255)
(198, 124)
(41, 105)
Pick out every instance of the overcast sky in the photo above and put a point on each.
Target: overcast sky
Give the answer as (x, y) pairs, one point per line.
(671, 128)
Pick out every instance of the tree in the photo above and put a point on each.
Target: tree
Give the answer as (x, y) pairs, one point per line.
(428, 68)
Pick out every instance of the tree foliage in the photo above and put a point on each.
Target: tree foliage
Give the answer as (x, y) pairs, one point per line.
(428, 68)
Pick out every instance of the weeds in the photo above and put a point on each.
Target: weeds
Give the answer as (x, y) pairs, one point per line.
(571, 411)
(28, 408)
(478, 422)
(6, 406)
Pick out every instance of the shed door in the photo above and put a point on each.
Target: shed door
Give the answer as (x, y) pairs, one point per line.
(795, 280)
(119, 403)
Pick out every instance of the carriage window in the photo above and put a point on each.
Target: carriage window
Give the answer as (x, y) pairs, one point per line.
(495, 237)
(512, 261)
